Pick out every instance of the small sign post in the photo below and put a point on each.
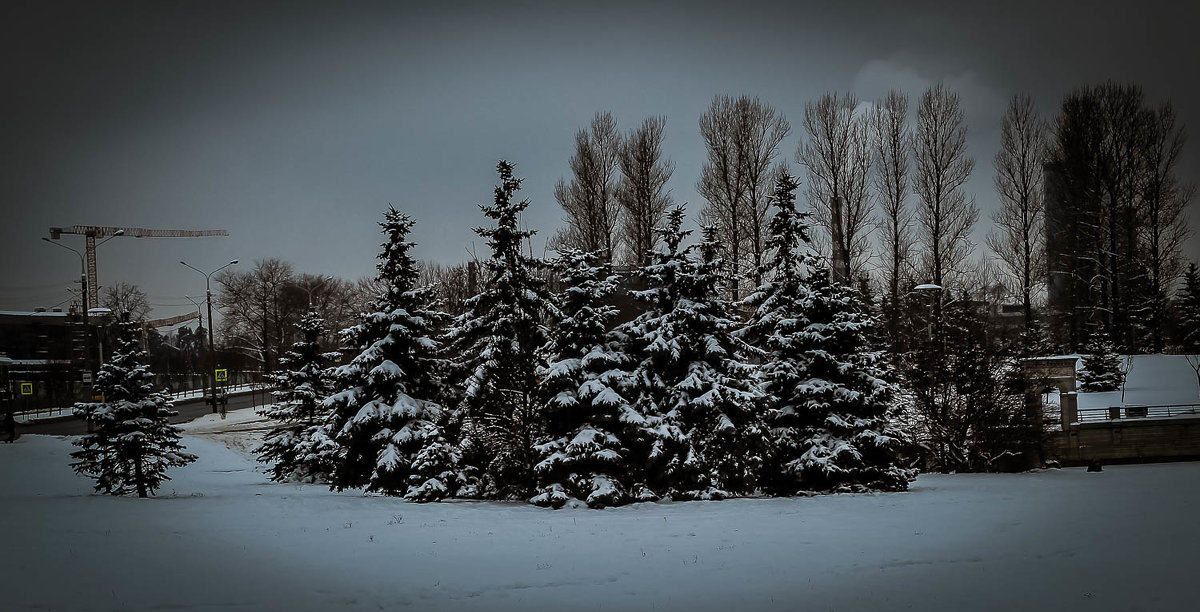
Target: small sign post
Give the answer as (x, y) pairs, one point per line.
(26, 388)
(222, 375)
(87, 378)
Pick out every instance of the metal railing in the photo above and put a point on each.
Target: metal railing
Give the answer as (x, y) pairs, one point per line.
(57, 396)
(1121, 413)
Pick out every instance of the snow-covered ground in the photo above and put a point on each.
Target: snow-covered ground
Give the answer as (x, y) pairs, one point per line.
(1151, 380)
(224, 389)
(221, 536)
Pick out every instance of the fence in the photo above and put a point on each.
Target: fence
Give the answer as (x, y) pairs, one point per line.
(57, 391)
(1117, 413)
(194, 384)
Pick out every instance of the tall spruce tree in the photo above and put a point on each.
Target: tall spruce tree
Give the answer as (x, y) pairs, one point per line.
(693, 389)
(827, 394)
(584, 453)
(496, 343)
(132, 443)
(384, 416)
(294, 448)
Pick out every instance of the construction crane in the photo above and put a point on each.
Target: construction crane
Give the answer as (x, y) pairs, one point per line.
(92, 232)
(169, 321)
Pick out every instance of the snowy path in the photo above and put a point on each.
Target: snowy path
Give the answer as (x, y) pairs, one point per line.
(222, 537)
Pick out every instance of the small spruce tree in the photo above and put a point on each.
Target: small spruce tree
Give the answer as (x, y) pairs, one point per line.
(132, 442)
(1101, 367)
(583, 454)
(1187, 312)
(295, 446)
(384, 417)
(694, 390)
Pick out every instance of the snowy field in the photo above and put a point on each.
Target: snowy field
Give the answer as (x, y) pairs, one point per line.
(1151, 380)
(220, 536)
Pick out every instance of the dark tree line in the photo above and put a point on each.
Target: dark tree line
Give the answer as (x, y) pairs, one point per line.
(1115, 217)
(1084, 250)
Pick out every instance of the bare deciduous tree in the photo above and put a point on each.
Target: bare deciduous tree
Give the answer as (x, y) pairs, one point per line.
(1165, 227)
(333, 299)
(1018, 239)
(252, 308)
(1114, 216)
(945, 215)
(837, 156)
(741, 137)
(642, 192)
(451, 285)
(891, 147)
(589, 201)
(124, 297)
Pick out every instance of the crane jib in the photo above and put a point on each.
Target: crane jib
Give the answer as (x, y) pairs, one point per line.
(92, 232)
(101, 231)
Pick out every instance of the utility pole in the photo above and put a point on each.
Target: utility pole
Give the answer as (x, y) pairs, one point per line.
(212, 352)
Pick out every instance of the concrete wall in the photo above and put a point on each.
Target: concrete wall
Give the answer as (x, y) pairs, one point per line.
(1130, 440)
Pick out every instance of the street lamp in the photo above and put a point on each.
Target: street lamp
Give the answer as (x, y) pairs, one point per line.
(82, 275)
(83, 267)
(212, 355)
(83, 302)
(313, 287)
(200, 318)
(934, 289)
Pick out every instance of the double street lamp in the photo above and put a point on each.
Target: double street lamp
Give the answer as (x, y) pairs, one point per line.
(212, 355)
(308, 290)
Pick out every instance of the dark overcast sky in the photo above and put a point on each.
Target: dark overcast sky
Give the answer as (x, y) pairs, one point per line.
(294, 125)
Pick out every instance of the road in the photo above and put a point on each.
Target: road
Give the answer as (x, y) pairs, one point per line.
(187, 409)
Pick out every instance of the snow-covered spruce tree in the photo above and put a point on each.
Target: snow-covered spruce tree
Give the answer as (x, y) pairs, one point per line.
(384, 417)
(297, 446)
(1101, 367)
(132, 443)
(583, 454)
(496, 343)
(696, 401)
(1187, 312)
(827, 395)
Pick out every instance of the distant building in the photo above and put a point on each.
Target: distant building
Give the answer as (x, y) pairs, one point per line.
(48, 349)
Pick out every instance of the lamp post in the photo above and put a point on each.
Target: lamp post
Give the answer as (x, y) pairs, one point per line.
(313, 287)
(212, 355)
(82, 275)
(83, 282)
(929, 287)
(200, 318)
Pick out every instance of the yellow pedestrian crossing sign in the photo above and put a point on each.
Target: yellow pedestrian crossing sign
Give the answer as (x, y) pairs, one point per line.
(222, 375)
(26, 388)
